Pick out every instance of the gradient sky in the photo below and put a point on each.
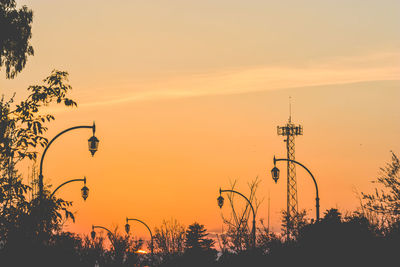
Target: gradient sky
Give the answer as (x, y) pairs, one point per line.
(187, 95)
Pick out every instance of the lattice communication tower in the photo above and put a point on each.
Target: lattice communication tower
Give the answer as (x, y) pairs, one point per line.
(290, 131)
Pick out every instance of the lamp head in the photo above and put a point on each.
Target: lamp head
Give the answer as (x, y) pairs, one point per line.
(220, 200)
(93, 233)
(93, 143)
(127, 228)
(85, 192)
(275, 174)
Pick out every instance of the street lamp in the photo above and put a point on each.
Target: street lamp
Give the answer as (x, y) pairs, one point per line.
(127, 228)
(275, 176)
(93, 233)
(93, 143)
(84, 190)
(220, 200)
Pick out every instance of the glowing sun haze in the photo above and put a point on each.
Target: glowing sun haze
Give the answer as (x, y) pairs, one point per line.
(187, 95)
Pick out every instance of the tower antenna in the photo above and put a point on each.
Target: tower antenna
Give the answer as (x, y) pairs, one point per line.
(290, 109)
(290, 131)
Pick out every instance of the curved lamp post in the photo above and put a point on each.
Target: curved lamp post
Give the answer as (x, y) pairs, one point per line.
(93, 146)
(275, 176)
(84, 190)
(220, 200)
(128, 227)
(93, 233)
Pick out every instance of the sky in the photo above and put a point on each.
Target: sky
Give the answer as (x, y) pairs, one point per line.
(187, 95)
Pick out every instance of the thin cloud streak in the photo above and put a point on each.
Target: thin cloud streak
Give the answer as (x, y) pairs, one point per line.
(255, 79)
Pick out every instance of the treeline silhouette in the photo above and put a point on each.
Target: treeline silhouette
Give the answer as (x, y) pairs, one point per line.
(31, 228)
(32, 235)
(336, 240)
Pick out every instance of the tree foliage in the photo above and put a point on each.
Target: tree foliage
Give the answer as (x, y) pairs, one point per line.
(22, 129)
(22, 126)
(123, 249)
(292, 226)
(386, 200)
(196, 238)
(238, 235)
(15, 35)
(268, 241)
(169, 238)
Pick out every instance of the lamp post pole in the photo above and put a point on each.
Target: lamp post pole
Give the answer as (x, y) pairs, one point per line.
(275, 176)
(221, 203)
(93, 233)
(93, 143)
(127, 227)
(85, 190)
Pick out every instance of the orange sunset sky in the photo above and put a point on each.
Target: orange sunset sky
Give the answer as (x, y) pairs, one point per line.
(187, 96)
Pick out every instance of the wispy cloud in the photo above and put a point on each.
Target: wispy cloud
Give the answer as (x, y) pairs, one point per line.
(384, 66)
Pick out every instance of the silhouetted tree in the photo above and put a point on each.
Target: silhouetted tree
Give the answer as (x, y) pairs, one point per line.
(123, 251)
(169, 239)
(350, 240)
(28, 227)
(196, 238)
(199, 249)
(14, 37)
(93, 252)
(292, 227)
(22, 128)
(332, 216)
(134, 258)
(238, 235)
(64, 249)
(386, 201)
(267, 241)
